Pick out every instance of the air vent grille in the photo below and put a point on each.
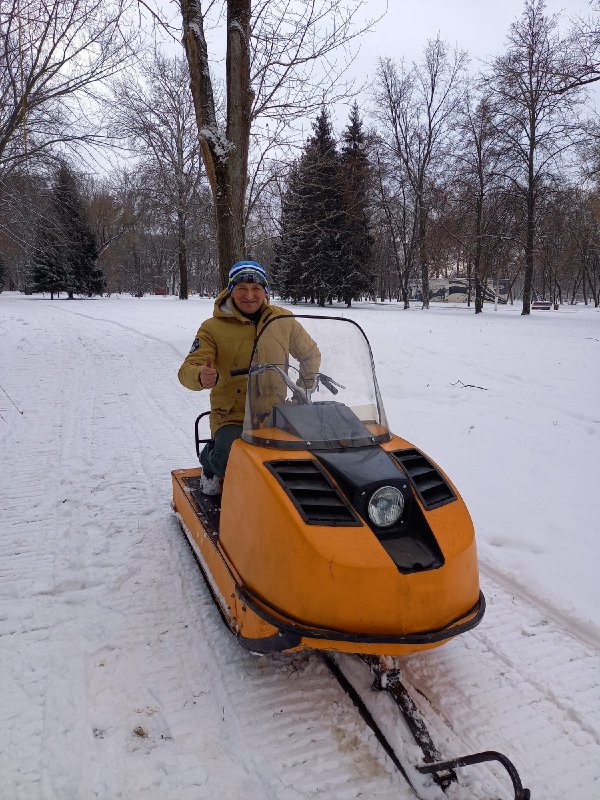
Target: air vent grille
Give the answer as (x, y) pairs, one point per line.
(310, 489)
(433, 489)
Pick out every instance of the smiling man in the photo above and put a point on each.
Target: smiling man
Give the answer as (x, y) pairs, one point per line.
(224, 343)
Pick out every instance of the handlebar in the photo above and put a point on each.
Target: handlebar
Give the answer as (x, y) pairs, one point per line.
(328, 383)
(297, 391)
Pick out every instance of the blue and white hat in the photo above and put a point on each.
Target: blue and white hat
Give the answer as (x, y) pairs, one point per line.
(247, 272)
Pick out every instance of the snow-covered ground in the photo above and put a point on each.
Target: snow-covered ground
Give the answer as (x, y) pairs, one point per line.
(117, 677)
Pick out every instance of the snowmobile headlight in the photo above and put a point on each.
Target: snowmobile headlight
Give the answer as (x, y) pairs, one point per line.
(386, 506)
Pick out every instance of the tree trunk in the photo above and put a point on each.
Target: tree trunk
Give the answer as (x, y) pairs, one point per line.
(529, 237)
(225, 153)
(479, 294)
(422, 253)
(182, 256)
(138, 271)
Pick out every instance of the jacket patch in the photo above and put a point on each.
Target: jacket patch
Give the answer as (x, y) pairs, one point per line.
(195, 345)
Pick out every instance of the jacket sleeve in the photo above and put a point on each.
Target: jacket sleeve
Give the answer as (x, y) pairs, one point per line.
(203, 348)
(305, 350)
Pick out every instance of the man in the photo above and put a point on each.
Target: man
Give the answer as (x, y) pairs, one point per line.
(225, 343)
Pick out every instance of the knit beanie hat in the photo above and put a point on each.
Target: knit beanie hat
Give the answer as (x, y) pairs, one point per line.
(247, 272)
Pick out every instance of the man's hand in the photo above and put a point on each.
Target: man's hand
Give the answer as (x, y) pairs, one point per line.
(208, 375)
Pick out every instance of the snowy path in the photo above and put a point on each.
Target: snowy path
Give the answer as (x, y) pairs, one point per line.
(117, 678)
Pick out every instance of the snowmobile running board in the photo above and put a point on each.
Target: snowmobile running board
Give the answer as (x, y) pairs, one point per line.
(442, 772)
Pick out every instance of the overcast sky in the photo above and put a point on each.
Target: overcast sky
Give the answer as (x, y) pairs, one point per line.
(477, 26)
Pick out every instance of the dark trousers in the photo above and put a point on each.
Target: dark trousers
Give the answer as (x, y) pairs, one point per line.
(213, 457)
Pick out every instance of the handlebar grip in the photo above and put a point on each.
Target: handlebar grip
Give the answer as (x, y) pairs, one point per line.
(235, 372)
(328, 384)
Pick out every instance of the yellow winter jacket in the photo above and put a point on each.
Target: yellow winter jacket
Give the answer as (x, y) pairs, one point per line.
(228, 338)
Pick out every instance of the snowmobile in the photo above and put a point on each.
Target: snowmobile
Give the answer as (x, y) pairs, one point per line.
(331, 533)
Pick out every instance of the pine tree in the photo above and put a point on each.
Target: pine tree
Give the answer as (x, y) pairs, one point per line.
(1, 274)
(309, 255)
(50, 271)
(286, 273)
(76, 237)
(356, 279)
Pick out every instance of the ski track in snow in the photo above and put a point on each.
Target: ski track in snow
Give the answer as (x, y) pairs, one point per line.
(117, 676)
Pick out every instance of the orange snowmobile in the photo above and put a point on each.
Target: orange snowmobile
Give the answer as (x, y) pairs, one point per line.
(331, 533)
(334, 534)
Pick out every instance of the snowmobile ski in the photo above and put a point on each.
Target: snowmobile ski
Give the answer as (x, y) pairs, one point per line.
(442, 772)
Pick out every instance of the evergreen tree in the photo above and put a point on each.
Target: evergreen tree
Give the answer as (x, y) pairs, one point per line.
(357, 278)
(309, 255)
(81, 252)
(287, 273)
(50, 271)
(1, 274)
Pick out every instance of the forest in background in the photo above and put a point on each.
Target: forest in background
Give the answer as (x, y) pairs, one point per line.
(438, 173)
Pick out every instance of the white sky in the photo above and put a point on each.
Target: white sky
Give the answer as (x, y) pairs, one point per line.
(477, 26)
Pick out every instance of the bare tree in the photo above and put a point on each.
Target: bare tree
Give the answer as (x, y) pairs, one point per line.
(153, 110)
(54, 54)
(537, 119)
(580, 64)
(22, 208)
(416, 108)
(480, 165)
(273, 48)
(395, 215)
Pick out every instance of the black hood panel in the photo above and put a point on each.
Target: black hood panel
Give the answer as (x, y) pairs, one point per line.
(359, 472)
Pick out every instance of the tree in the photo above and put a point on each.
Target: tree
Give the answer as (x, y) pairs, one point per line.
(416, 109)
(479, 170)
(50, 271)
(66, 253)
(54, 55)
(22, 206)
(269, 74)
(580, 64)
(288, 272)
(156, 115)
(537, 116)
(396, 227)
(311, 252)
(355, 277)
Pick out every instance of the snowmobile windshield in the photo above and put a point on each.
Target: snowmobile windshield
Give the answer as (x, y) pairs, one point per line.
(312, 385)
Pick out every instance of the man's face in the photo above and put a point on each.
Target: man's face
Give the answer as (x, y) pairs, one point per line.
(248, 297)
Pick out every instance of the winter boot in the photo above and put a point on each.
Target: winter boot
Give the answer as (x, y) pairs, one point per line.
(212, 485)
